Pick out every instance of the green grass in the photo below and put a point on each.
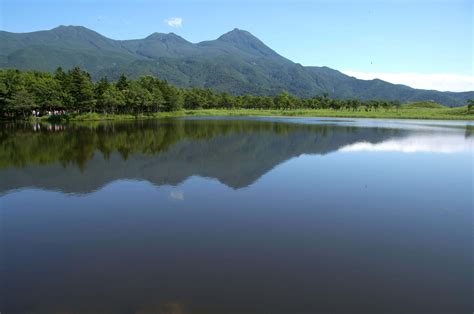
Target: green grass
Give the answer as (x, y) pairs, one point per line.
(423, 105)
(406, 112)
(100, 116)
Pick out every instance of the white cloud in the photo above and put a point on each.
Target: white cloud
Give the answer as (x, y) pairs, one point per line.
(437, 81)
(174, 21)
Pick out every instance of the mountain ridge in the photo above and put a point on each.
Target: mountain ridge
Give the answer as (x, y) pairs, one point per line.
(236, 62)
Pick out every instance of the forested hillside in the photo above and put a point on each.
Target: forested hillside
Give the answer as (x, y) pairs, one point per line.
(237, 63)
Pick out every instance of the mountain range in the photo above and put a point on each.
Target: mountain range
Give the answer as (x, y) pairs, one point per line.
(236, 62)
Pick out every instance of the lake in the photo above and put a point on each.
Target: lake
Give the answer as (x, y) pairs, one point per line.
(237, 215)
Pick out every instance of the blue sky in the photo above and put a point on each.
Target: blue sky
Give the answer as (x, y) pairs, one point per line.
(414, 42)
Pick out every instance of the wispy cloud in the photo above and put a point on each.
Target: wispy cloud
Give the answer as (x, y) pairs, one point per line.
(174, 21)
(437, 81)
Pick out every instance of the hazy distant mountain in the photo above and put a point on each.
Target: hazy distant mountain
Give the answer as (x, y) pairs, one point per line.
(236, 62)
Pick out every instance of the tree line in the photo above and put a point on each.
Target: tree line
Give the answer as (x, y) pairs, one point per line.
(73, 91)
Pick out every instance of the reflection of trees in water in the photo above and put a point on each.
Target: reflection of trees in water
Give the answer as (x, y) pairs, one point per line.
(235, 152)
(21, 145)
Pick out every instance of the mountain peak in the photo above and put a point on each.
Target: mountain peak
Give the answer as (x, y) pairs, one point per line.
(155, 35)
(245, 41)
(239, 31)
(170, 37)
(235, 35)
(74, 31)
(67, 28)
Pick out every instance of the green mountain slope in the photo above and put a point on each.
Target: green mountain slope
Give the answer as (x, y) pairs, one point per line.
(236, 62)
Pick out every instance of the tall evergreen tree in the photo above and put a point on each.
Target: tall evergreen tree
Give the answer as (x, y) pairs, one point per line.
(81, 89)
(122, 83)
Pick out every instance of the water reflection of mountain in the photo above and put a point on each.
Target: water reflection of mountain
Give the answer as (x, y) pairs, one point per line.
(81, 159)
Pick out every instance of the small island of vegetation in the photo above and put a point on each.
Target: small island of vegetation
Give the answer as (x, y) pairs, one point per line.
(72, 95)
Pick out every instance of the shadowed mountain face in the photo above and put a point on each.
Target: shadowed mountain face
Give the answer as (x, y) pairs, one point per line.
(81, 159)
(236, 62)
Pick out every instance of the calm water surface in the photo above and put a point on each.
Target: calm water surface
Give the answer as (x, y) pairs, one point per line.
(248, 215)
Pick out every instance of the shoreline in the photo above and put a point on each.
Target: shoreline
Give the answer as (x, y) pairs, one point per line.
(415, 114)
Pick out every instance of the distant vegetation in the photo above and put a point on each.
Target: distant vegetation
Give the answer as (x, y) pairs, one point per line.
(69, 94)
(424, 105)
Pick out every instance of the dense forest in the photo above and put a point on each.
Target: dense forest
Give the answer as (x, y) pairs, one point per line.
(23, 94)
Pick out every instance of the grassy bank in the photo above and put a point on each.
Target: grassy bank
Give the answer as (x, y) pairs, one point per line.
(406, 112)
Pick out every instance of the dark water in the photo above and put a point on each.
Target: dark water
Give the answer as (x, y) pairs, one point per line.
(237, 216)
